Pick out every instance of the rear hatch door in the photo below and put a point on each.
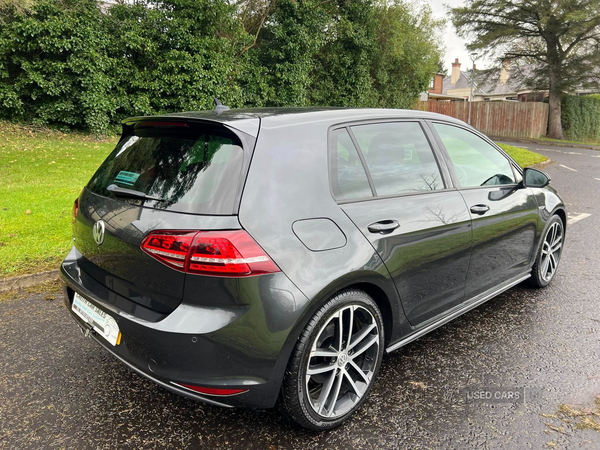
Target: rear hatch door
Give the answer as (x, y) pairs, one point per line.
(169, 174)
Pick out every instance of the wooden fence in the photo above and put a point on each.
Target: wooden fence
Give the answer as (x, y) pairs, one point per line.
(498, 119)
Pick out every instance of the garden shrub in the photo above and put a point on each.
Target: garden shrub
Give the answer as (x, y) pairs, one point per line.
(82, 64)
(581, 117)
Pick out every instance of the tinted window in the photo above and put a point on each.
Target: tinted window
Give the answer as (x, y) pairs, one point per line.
(189, 169)
(349, 180)
(477, 163)
(399, 158)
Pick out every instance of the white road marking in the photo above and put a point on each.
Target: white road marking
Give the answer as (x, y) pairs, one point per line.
(595, 156)
(574, 170)
(549, 150)
(573, 218)
(597, 179)
(573, 153)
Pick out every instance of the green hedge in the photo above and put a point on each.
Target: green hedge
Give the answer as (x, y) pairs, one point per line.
(79, 65)
(581, 117)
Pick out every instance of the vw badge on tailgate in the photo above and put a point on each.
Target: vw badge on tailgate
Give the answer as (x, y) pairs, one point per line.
(98, 232)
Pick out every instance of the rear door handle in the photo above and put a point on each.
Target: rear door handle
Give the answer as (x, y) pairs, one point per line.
(383, 226)
(480, 209)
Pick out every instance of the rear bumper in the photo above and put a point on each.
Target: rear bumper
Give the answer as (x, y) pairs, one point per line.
(244, 345)
(167, 386)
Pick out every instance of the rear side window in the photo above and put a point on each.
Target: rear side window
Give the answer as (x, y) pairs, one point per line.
(475, 161)
(348, 176)
(399, 158)
(187, 167)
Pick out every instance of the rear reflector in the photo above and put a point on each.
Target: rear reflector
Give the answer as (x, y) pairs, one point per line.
(211, 391)
(221, 253)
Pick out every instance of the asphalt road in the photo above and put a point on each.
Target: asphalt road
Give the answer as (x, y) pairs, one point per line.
(59, 389)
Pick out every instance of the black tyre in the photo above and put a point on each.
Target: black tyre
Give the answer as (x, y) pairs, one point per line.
(335, 361)
(546, 263)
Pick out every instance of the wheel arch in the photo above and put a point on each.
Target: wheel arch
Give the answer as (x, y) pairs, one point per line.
(379, 287)
(562, 213)
(382, 301)
(376, 285)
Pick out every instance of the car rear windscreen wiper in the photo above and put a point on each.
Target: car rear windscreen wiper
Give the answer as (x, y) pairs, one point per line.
(124, 192)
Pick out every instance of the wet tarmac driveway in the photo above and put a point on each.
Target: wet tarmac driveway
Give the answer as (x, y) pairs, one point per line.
(59, 389)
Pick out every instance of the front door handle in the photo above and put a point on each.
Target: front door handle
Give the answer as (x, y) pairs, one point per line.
(383, 226)
(480, 209)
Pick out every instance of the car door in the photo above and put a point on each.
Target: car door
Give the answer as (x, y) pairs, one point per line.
(504, 213)
(387, 179)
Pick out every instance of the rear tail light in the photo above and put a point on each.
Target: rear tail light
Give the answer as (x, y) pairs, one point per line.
(211, 391)
(75, 209)
(221, 253)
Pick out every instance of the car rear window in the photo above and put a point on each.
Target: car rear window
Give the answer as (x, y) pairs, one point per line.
(186, 167)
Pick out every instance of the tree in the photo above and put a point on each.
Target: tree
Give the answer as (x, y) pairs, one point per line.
(342, 67)
(10, 7)
(53, 65)
(407, 55)
(441, 68)
(353, 53)
(175, 55)
(88, 64)
(559, 38)
(286, 48)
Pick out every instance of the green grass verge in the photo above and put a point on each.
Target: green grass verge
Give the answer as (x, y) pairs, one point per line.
(41, 174)
(522, 156)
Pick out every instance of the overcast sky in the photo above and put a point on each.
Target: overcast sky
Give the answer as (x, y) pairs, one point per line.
(455, 46)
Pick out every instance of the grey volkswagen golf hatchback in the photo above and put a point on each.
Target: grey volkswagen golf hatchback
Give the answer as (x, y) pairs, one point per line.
(246, 257)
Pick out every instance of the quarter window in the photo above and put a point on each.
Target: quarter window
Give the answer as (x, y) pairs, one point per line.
(476, 162)
(399, 158)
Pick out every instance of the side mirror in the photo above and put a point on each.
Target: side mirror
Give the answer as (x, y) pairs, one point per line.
(535, 178)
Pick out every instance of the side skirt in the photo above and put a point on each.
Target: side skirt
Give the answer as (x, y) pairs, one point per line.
(459, 310)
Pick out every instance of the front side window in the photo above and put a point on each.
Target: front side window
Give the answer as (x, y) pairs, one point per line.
(476, 162)
(399, 158)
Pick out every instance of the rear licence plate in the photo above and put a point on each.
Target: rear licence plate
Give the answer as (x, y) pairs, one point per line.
(104, 324)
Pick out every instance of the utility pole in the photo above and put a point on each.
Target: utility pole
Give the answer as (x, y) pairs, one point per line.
(473, 57)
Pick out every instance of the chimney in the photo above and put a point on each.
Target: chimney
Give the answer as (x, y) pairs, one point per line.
(455, 71)
(505, 71)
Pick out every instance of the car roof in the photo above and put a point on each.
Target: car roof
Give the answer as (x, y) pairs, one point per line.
(246, 120)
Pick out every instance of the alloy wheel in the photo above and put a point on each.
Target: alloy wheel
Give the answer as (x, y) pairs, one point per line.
(342, 361)
(551, 250)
